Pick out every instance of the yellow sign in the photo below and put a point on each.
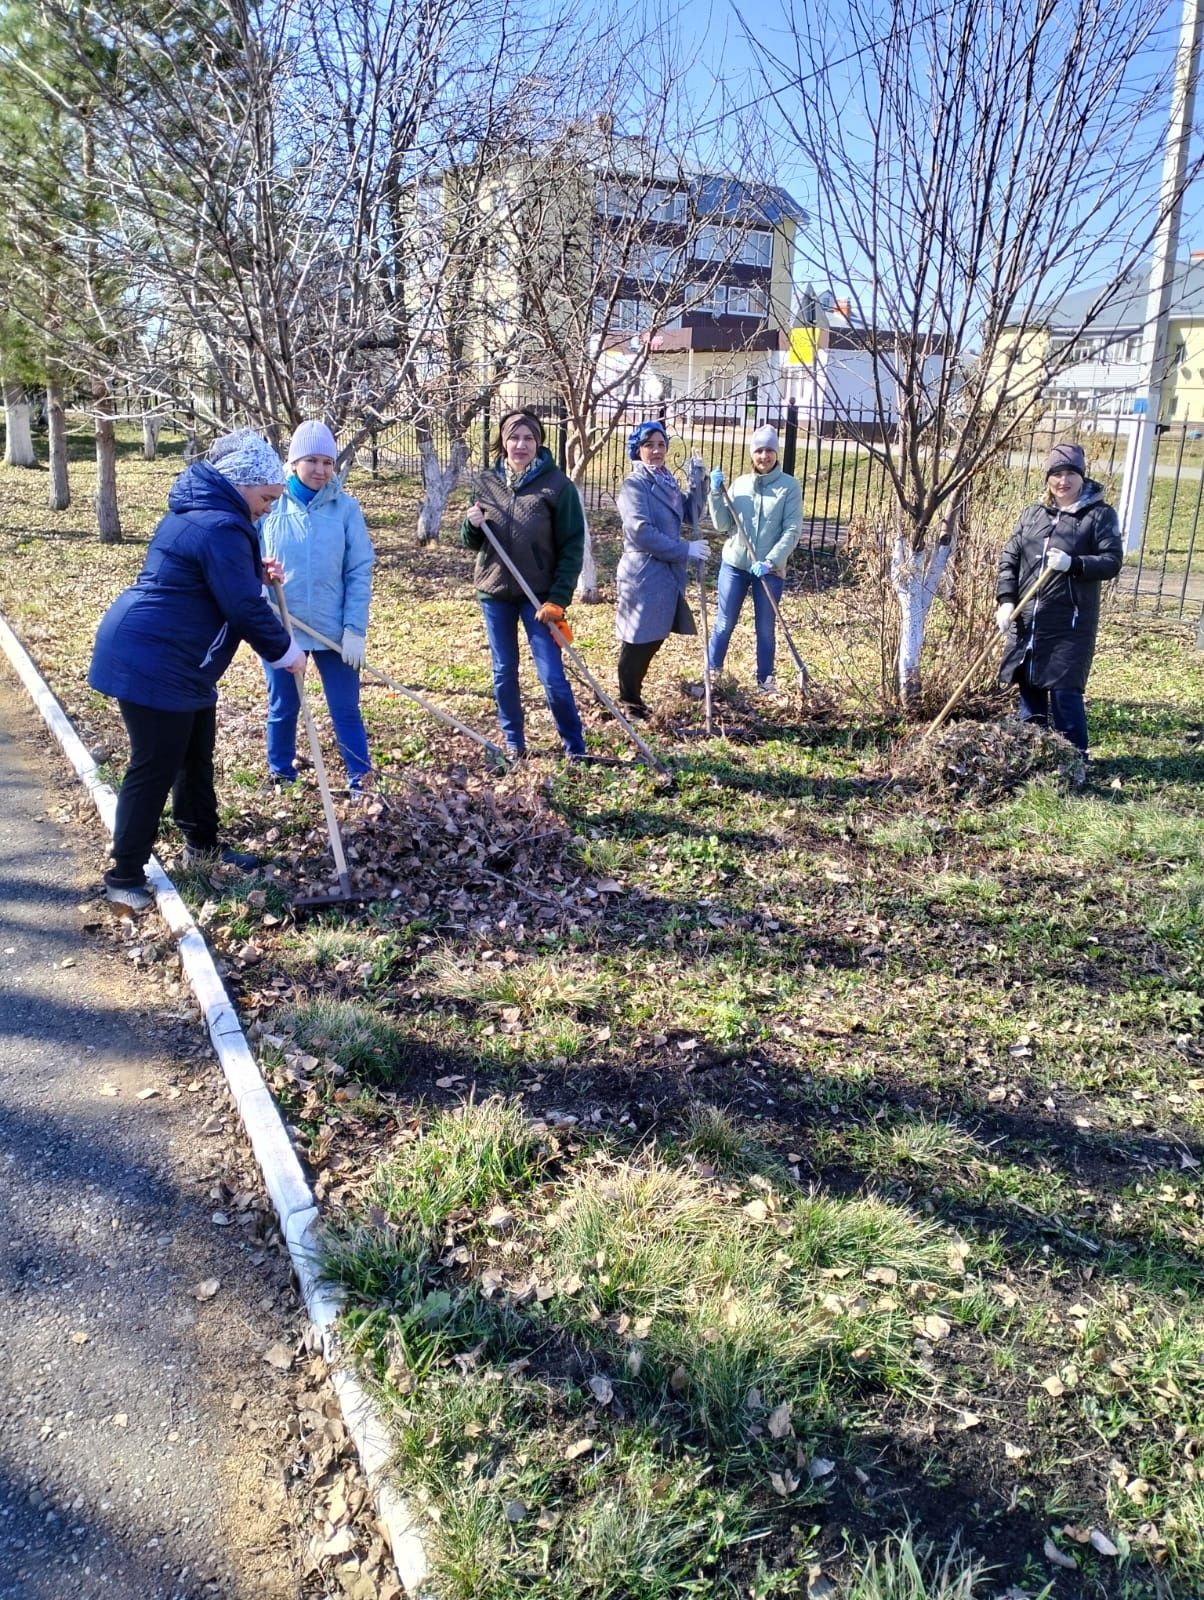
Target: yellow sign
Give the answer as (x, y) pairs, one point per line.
(804, 342)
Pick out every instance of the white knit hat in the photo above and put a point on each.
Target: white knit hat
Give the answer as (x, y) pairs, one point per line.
(312, 439)
(245, 458)
(765, 438)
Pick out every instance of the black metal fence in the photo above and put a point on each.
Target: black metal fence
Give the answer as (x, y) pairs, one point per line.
(842, 479)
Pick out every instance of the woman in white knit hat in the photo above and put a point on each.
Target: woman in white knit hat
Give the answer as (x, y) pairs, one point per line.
(769, 504)
(317, 532)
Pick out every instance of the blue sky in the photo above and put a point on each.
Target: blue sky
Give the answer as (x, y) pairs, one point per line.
(710, 33)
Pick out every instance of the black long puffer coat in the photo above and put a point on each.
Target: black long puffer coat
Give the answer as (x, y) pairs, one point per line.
(1062, 621)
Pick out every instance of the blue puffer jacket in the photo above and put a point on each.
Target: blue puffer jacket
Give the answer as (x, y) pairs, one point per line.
(165, 641)
(327, 557)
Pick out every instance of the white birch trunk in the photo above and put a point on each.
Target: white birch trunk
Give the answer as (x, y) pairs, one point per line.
(151, 424)
(437, 484)
(59, 497)
(587, 591)
(915, 577)
(18, 440)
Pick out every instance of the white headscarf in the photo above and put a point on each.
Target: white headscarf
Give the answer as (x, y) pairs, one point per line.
(245, 458)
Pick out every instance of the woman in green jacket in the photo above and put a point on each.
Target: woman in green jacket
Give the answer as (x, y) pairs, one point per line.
(769, 504)
(535, 513)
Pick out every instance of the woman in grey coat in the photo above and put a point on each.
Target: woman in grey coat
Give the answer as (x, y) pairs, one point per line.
(655, 562)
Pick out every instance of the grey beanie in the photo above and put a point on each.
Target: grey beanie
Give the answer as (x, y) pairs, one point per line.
(244, 458)
(1066, 457)
(765, 438)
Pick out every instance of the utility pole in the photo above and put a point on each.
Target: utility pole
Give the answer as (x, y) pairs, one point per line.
(1147, 406)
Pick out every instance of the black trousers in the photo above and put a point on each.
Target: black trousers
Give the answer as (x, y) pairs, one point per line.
(634, 661)
(171, 752)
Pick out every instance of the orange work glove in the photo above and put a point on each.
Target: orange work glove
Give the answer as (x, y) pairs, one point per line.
(549, 612)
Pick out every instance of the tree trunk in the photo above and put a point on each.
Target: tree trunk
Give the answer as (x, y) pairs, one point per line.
(59, 497)
(18, 442)
(578, 457)
(108, 520)
(587, 591)
(915, 577)
(151, 424)
(437, 484)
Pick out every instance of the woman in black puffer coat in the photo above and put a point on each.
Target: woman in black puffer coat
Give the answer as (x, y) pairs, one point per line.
(1074, 534)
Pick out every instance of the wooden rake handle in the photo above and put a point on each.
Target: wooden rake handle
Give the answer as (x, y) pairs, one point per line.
(315, 750)
(993, 643)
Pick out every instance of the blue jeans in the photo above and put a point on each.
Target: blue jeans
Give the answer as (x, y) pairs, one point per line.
(502, 618)
(733, 587)
(1065, 708)
(341, 686)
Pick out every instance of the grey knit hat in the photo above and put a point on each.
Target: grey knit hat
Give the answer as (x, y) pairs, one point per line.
(244, 458)
(765, 438)
(1066, 457)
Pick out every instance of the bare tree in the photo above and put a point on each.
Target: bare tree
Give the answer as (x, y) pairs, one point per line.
(261, 206)
(604, 237)
(971, 162)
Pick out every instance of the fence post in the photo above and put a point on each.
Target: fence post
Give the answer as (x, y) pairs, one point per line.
(790, 446)
(485, 434)
(562, 437)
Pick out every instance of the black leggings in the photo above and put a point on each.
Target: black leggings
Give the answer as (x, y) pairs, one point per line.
(171, 752)
(634, 661)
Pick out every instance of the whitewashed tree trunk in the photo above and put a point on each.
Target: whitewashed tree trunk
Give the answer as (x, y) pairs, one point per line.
(59, 496)
(151, 425)
(915, 577)
(437, 484)
(108, 519)
(587, 591)
(18, 440)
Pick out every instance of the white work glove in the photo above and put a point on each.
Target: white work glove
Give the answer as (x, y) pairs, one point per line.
(1057, 560)
(293, 660)
(475, 515)
(1003, 617)
(352, 648)
(696, 550)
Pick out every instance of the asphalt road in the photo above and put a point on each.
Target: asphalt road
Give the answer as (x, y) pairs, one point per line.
(137, 1415)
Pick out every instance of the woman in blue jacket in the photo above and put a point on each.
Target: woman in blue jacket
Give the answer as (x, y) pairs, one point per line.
(769, 504)
(317, 532)
(164, 643)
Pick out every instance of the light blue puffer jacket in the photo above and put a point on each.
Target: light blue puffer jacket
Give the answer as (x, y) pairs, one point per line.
(327, 557)
(771, 508)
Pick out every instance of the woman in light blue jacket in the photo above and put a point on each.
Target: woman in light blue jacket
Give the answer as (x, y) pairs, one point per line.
(651, 578)
(318, 534)
(769, 503)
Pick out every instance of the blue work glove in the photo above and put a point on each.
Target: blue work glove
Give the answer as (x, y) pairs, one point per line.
(761, 569)
(717, 479)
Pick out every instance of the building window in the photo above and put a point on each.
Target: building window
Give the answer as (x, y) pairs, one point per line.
(621, 317)
(746, 300)
(751, 248)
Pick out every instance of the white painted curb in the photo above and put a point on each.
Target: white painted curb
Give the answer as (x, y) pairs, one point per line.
(286, 1183)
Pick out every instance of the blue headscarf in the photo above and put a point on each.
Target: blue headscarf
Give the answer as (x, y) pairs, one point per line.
(639, 433)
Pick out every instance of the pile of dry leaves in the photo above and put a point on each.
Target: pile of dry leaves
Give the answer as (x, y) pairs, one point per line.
(984, 761)
(456, 849)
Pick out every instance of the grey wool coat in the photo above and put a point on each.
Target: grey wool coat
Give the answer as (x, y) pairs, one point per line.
(653, 568)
